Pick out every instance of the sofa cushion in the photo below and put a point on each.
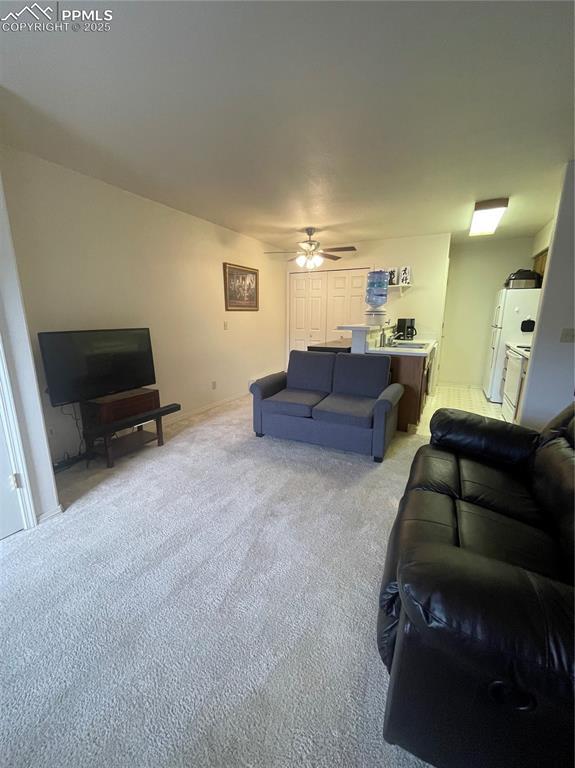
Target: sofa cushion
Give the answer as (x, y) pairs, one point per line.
(500, 490)
(310, 370)
(346, 409)
(434, 469)
(293, 402)
(491, 534)
(361, 375)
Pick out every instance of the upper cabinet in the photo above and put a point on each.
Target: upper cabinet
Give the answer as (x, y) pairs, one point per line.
(539, 261)
(540, 248)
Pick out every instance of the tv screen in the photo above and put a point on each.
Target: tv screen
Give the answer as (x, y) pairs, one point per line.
(81, 365)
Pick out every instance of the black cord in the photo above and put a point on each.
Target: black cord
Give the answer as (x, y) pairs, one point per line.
(77, 422)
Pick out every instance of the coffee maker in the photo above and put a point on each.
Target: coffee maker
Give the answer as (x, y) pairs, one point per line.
(406, 328)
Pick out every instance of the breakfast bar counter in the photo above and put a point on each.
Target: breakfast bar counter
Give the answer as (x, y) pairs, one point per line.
(411, 365)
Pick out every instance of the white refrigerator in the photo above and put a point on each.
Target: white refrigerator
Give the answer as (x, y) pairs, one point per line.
(512, 307)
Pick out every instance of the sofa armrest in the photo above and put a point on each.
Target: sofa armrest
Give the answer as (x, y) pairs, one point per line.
(261, 389)
(385, 419)
(490, 614)
(268, 385)
(481, 437)
(389, 398)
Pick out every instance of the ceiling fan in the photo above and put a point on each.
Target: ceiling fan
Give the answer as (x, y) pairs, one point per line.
(310, 254)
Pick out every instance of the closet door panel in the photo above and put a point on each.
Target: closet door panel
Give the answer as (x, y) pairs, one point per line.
(337, 304)
(299, 297)
(357, 305)
(317, 307)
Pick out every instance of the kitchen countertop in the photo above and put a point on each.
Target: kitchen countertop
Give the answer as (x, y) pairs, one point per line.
(411, 349)
(523, 352)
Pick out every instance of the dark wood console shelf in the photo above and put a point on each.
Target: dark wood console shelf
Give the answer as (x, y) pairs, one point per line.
(105, 416)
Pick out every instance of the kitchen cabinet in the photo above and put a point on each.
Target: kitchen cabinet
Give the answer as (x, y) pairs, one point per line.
(540, 262)
(416, 375)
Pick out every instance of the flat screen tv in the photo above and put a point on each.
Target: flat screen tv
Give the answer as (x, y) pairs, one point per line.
(81, 365)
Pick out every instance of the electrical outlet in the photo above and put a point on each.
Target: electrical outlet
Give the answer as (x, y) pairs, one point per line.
(213, 384)
(567, 336)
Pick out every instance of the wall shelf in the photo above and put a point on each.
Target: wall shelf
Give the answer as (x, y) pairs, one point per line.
(401, 288)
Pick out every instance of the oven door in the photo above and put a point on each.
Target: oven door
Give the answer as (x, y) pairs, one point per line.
(512, 385)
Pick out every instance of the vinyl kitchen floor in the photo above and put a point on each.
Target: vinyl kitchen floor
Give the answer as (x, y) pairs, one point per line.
(463, 398)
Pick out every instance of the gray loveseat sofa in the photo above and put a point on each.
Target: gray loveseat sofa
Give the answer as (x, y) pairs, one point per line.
(340, 401)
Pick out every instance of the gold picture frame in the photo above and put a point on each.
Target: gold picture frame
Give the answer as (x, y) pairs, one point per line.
(241, 288)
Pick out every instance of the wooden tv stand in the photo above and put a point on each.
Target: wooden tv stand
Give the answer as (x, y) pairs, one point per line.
(104, 416)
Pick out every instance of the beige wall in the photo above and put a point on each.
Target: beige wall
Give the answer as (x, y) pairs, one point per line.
(477, 270)
(93, 256)
(428, 257)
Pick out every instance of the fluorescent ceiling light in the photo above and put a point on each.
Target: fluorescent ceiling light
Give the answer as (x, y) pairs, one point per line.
(487, 215)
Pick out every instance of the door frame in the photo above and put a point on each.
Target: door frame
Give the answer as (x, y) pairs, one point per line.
(9, 422)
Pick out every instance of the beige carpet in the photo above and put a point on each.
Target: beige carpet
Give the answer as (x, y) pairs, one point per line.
(209, 603)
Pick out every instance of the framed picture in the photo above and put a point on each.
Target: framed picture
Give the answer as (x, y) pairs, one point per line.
(393, 273)
(241, 288)
(405, 276)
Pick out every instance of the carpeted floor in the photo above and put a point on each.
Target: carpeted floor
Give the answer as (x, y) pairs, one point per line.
(211, 603)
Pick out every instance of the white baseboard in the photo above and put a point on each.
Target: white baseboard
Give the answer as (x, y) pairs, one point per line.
(180, 415)
(50, 513)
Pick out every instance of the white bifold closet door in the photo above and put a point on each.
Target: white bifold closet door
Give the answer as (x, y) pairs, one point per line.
(308, 297)
(11, 517)
(345, 300)
(320, 301)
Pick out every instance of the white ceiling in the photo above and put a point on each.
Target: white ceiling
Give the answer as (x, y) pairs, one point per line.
(367, 120)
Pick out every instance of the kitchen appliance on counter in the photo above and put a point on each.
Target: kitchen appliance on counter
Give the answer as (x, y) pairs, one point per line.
(523, 278)
(405, 328)
(512, 309)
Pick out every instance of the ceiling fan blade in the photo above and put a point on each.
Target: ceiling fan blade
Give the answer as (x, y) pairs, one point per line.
(326, 255)
(343, 248)
(280, 251)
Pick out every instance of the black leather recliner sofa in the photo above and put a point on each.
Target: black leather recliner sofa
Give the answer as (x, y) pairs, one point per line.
(476, 608)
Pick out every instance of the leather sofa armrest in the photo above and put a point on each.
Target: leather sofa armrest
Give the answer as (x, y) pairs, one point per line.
(269, 385)
(481, 437)
(493, 615)
(390, 397)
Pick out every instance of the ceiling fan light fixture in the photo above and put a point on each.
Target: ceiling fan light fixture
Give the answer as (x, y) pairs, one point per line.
(301, 260)
(309, 264)
(317, 260)
(309, 245)
(487, 215)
